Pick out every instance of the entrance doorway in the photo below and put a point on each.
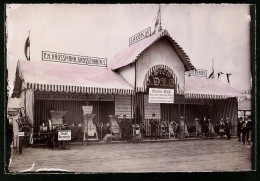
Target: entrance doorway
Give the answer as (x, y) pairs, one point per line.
(106, 108)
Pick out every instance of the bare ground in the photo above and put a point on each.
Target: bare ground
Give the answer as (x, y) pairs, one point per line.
(195, 155)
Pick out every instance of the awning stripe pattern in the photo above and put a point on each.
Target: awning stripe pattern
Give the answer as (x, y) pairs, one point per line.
(202, 88)
(78, 89)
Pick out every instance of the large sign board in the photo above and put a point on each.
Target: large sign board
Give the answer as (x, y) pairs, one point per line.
(197, 72)
(150, 109)
(73, 59)
(140, 36)
(64, 135)
(161, 95)
(123, 106)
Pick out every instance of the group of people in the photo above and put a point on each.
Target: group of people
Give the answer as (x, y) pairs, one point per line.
(204, 127)
(244, 127)
(224, 127)
(173, 128)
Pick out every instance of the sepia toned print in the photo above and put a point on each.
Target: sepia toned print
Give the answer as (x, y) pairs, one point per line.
(94, 88)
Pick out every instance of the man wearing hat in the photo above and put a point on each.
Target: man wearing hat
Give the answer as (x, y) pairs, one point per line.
(154, 126)
(244, 130)
(249, 127)
(239, 128)
(228, 128)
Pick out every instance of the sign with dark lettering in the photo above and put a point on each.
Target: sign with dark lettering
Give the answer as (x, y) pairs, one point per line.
(197, 72)
(64, 135)
(161, 78)
(139, 36)
(161, 95)
(73, 59)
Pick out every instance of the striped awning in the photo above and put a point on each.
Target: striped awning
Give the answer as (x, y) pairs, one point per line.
(203, 88)
(61, 77)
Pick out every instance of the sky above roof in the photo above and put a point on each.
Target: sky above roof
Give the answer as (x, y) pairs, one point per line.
(204, 31)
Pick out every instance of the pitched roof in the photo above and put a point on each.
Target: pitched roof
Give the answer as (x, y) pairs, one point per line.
(132, 53)
(201, 87)
(69, 77)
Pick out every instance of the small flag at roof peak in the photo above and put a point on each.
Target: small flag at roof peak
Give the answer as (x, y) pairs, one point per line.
(27, 47)
(228, 74)
(158, 22)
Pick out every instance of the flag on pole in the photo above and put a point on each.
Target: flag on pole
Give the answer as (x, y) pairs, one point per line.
(228, 77)
(157, 25)
(27, 47)
(219, 74)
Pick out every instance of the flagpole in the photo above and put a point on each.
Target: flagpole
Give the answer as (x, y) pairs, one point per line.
(160, 27)
(29, 47)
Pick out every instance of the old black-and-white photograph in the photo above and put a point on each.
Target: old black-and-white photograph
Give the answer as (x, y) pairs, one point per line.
(112, 88)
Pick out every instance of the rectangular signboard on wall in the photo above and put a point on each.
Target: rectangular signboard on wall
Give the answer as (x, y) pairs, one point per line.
(123, 106)
(161, 95)
(151, 108)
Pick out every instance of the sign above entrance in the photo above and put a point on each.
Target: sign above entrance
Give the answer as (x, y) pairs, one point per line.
(161, 95)
(161, 78)
(73, 59)
(139, 36)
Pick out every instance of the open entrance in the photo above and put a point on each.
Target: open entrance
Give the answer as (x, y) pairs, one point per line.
(106, 108)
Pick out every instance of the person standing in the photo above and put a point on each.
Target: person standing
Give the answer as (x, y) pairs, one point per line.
(221, 128)
(154, 126)
(182, 129)
(206, 126)
(244, 130)
(197, 127)
(202, 124)
(248, 133)
(239, 128)
(228, 128)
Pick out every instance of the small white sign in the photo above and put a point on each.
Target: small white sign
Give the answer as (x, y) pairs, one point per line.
(161, 95)
(87, 109)
(20, 133)
(64, 135)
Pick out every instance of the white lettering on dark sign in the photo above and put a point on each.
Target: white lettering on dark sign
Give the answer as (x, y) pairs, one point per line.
(73, 59)
(139, 36)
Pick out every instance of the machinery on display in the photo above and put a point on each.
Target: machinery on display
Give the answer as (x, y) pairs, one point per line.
(55, 132)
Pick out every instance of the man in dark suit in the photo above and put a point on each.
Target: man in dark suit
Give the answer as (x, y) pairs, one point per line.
(154, 126)
(228, 128)
(239, 128)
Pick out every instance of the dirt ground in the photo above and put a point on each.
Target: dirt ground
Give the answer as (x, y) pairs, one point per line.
(195, 155)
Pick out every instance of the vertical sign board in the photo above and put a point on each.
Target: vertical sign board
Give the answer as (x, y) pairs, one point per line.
(123, 106)
(157, 95)
(151, 108)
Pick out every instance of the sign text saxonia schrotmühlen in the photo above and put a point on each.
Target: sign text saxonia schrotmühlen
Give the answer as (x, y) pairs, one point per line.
(73, 59)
